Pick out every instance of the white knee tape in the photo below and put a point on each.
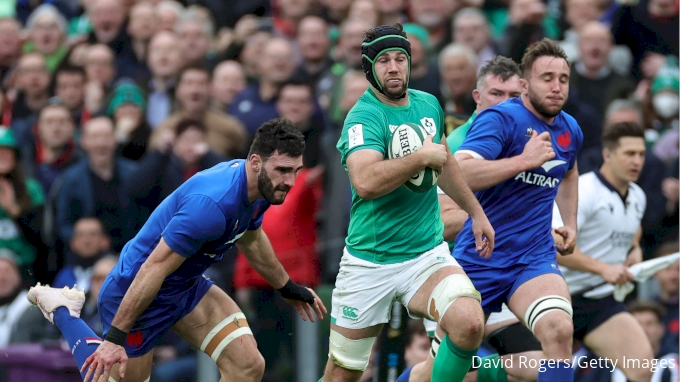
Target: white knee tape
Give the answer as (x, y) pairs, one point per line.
(350, 354)
(545, 305)
(434, 349)
(221, 335)
(448, 291)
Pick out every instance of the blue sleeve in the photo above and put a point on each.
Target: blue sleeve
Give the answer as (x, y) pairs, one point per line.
(579, 143)
(197, 221)
(487, 135)
(64, 278)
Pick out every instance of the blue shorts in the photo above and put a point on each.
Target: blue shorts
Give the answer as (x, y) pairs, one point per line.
(498, 284)
(163, 312)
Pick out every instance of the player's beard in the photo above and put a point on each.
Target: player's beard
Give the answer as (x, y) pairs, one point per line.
(267, 189)
(543, 110)
(394, 93)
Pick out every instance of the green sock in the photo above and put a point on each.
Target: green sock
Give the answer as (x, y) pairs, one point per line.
(451, 363)
(491, 369)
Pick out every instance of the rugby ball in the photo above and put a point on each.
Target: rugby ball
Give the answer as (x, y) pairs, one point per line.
(405, 140)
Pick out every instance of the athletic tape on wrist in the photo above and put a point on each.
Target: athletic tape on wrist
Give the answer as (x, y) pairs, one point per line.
(116, 336)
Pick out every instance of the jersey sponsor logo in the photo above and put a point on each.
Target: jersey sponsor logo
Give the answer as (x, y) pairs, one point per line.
(564, 140)
(350, 313)
(537, 179)
(356, 135)
(429, 125)
(551, 164)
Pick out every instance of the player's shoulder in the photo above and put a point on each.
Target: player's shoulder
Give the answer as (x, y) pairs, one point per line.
(224, 183)
(571, 123)
(364, 111)
(423, 97)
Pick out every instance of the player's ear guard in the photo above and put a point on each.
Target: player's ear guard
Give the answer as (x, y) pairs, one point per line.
(350, 354)
(226, 331)
(446, 292)
(545, 305)
(293, 291)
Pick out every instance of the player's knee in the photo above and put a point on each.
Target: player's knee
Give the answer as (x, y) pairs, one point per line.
(448, 291)
(554, 313)
(253, 367)
(350, 354)
(557, 328)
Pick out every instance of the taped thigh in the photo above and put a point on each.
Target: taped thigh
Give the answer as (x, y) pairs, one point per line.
(221, 335)
(446, 292)
(350, 354)
(545, 305)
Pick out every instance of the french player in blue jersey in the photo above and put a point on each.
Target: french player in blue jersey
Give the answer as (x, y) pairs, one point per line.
(158, 284)
(520, 157)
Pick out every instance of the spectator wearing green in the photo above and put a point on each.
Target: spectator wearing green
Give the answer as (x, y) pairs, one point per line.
(47, 35)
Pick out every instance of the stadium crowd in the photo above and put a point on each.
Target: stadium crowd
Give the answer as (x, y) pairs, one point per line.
(108, 106)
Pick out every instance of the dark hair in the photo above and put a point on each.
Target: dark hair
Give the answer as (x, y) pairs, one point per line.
(500, 66)
(299, 81)
(373, 33)
(192, 68)
(545, 47)
(639, 306)
(71, 69)
(189, 123)
(612, 133)
(666, 248)
(278, 135)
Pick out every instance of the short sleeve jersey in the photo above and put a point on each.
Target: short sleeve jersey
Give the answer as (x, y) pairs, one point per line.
(200, 220)
(519, 208)
(402, 224)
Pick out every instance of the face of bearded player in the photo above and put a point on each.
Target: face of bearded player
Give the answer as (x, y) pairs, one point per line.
(391, 68)
(277, 177)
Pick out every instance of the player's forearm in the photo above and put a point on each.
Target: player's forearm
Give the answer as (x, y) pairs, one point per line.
(383, 177)
(579, 261)
(262, 258)
(481, 174)
(452, 183)
(142, 291)
(567, 198)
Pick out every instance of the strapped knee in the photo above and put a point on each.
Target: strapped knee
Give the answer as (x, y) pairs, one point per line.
(446, 292)
(221, 335)
(545, 305)
(350, 354)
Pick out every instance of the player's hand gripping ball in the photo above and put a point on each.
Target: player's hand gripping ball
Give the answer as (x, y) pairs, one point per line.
(405, 140)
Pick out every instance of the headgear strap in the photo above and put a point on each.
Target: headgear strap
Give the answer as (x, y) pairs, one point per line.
(388, 38)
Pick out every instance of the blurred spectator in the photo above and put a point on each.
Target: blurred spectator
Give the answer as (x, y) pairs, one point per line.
(252, 50)
(391, 11)
(5, 109)
(597, 84)
(169, 164)
(578, 14)
(21, 204)
(195, 41)
(470, 28)
(256, 104)
(435, 17)
(69, 89)
(32, 83)
(661, 113)
(424, 75)
(100, 70)
(314, 43)
(96, 185)
(526, 23)
(164, 61)
(90, 312)
(47, 35)
(13, 301)
(347, 55)
(649, 315)
(25, 8)
(88, 244)
(648, 26)
(168, 12)
(671, 191)
(228, 80)
(10, 46)
(225, 134)
(50, 148)
(288, 14)
(417, 346)
(458, 70)
(141, 27)
(335, 11)
(79, 27)
(127, 110)
(668, 280)
(107, 18)
(365, 9)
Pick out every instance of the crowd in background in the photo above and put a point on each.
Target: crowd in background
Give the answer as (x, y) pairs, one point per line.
(108, 106)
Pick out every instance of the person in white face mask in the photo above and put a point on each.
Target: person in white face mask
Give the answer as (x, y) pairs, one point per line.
(662, 133)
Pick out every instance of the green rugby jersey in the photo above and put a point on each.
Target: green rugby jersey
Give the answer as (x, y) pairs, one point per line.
(403, 224)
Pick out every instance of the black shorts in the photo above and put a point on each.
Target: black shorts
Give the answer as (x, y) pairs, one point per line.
(591, 313)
